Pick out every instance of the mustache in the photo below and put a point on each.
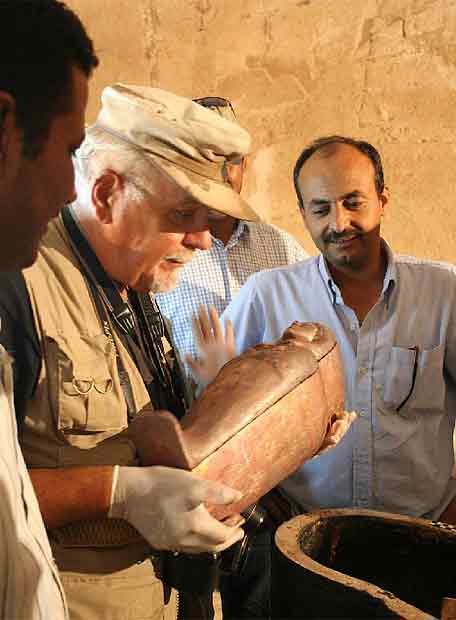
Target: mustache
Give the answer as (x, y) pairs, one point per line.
(181, 257)
(334, 237)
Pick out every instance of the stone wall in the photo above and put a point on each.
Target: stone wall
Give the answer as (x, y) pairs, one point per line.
(383, 70)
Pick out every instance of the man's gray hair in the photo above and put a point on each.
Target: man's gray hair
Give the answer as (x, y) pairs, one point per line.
(100, 151)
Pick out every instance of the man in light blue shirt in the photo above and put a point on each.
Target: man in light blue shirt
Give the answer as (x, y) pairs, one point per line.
(395, 320)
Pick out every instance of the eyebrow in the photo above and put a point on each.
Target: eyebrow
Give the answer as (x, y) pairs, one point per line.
(355, 194)
(323, 201)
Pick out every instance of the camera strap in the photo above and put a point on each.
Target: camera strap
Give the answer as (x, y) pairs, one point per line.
(139, 324)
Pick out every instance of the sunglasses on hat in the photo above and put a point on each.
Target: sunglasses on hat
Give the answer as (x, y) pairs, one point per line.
(216, 104)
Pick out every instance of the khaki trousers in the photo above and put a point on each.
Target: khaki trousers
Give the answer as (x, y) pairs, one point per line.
(132, 592)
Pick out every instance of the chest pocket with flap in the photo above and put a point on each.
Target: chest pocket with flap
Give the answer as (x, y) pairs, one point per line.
(85, 391)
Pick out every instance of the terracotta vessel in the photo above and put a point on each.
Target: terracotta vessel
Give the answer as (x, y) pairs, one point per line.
(266, 413)
(363, 564)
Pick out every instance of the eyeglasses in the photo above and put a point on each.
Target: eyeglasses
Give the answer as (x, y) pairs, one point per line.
(216, 104)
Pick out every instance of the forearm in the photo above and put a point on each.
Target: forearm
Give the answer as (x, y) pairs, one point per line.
(71, 494)
(165, 505)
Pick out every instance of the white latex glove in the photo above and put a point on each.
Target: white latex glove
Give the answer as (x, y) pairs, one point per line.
(166, 506)
(215, 348)
(339, 426)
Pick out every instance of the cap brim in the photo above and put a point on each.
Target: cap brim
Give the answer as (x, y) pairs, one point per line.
(218, 196)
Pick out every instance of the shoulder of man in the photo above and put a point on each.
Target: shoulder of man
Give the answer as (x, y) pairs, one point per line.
(264, 282)
(435, 269)
(291, 245)
(15, 303)
(18, 336)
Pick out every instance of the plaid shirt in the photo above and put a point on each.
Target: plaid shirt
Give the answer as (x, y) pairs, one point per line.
(214, 276)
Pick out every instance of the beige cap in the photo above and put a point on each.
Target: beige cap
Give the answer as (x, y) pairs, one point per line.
(186, 140)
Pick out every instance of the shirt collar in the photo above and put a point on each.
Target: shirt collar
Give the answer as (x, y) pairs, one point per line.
(239, 231)
(331, 286)
(389, 280)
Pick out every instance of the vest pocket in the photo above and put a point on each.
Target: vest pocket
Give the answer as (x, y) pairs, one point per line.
(85, 391)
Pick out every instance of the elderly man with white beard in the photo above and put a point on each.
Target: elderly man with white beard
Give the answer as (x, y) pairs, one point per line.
(92, 351)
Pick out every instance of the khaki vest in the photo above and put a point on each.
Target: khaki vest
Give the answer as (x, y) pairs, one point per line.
(78, 414)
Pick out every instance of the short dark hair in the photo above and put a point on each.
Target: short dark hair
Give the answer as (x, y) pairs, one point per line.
(40, 42)
(321, 143)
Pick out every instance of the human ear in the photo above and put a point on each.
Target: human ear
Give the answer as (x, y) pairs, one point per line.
(233, 174)
(302, 213)
(104, 190)
(384, 198)
(245, 163)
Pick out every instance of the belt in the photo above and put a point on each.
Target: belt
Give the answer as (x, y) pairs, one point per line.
(195, 574)
(96, 533)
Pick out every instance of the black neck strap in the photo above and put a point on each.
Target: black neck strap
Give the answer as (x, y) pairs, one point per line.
(147, 318)
(92, 265)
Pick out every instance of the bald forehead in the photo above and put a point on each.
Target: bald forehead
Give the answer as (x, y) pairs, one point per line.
(336, 169)
(332, 156)
(331, 149)
(339, 150)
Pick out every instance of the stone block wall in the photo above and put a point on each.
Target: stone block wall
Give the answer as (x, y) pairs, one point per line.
(383, 70)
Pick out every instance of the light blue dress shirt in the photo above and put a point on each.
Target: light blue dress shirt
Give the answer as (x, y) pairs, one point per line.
(398, 456)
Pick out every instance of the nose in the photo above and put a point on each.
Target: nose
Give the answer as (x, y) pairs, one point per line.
(340, 218)
(200, 240)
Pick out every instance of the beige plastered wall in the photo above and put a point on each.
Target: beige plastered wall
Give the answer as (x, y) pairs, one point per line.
(382, 70)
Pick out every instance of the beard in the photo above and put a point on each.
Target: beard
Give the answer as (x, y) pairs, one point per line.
(351, 257)
(347, 260)
(164, 283)
(159, 283)
(164, 280)
(355, 256)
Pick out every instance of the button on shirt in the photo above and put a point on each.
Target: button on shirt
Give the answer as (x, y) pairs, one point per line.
(400, 369)
(214, 276)
(29, 584)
